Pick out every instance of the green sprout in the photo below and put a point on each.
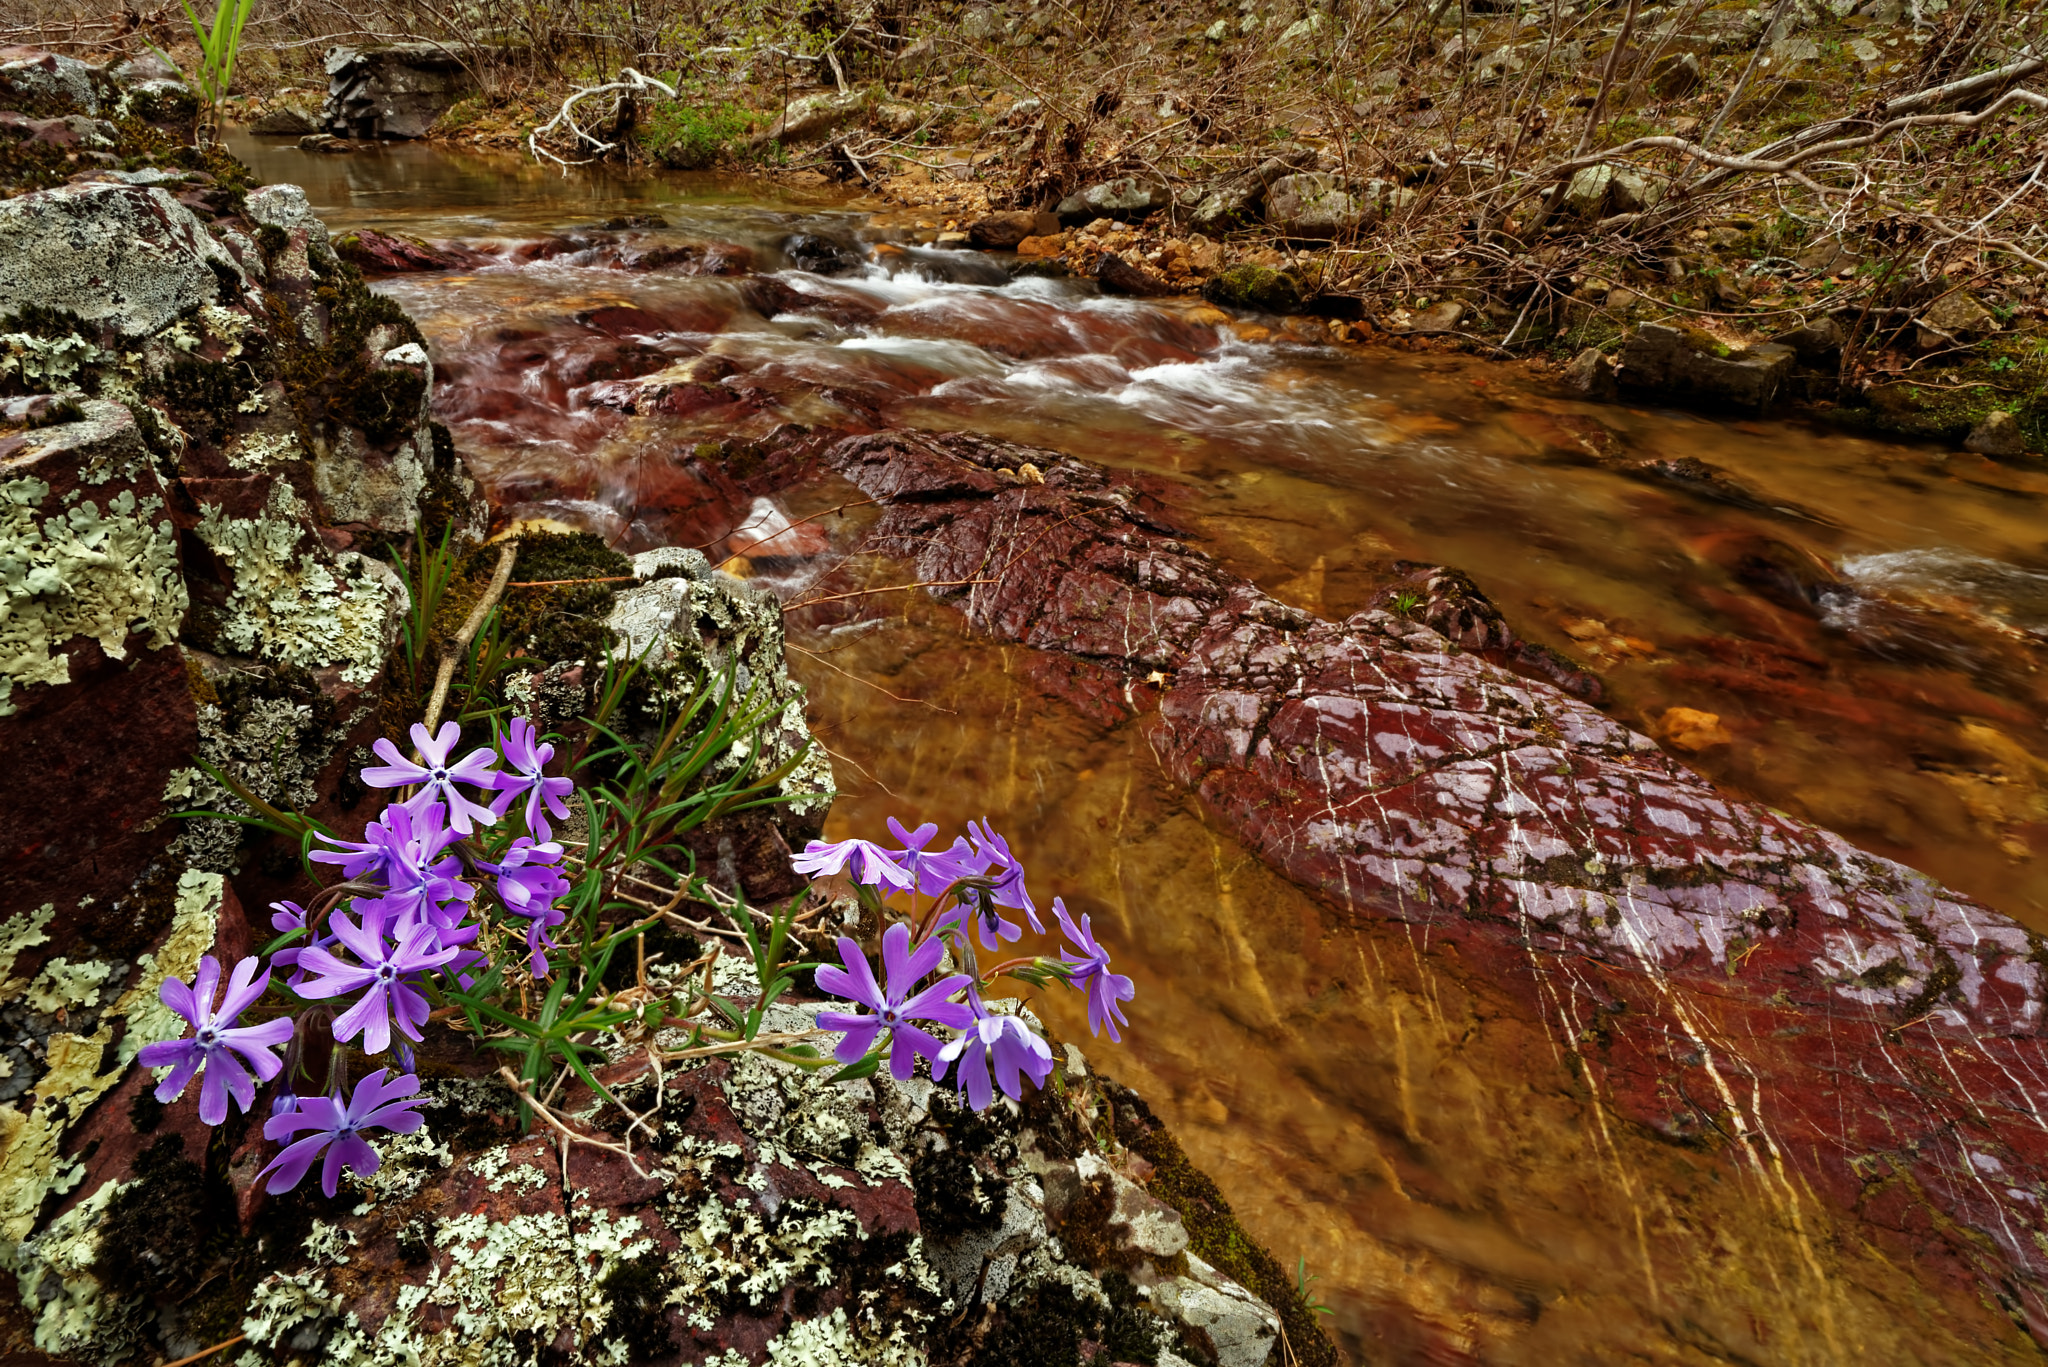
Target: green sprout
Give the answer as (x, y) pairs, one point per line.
(1303, 1279)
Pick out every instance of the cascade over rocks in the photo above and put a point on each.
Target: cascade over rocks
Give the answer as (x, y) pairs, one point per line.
(1721, 973)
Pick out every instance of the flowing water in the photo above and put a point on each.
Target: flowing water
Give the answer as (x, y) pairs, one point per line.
(1865, 619)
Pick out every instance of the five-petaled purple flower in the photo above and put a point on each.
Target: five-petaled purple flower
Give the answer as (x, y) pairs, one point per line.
(1005, 1041)
(404, 850)
(437, 775)
(227, 1051)
(526, 755)
(529, 885)
(869, 862)
(384, 971)
(1007, 872)
(933, 870)
(338, 1129)
(1089, 963)
(895, 1008)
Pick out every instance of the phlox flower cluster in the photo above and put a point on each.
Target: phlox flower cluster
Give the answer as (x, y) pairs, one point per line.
(942, 903)
(419, 887)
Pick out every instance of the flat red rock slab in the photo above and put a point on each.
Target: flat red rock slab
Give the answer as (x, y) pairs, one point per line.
(1722, 972)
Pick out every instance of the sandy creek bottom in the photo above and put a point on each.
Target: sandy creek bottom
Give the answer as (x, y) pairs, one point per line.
(1866, 621)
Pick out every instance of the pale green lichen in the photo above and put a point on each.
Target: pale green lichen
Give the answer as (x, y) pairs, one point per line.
(834, 1341)
(265, 450)
(45, 363)
(32, 1167)
(63, 984)
(74, 1317)
(24, 930)
(89, 569)
(286, 605)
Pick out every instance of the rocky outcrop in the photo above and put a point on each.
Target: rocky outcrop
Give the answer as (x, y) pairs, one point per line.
(1717, 972)
(207, 419)
(397, 91)
(761, 1214)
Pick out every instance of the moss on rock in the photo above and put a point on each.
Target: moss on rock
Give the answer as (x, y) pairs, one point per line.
(1254, 287)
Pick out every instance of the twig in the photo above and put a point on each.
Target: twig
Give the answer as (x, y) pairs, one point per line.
(453, 655)
(204, 1353)
(559, 583)
(524, 1090)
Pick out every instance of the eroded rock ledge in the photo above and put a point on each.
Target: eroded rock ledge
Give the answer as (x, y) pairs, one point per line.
(1728, 977)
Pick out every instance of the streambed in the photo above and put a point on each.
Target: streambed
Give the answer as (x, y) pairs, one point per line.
(1863, 619)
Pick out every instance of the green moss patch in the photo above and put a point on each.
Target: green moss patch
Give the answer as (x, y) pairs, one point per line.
(1254, 287)
(1214, 1235)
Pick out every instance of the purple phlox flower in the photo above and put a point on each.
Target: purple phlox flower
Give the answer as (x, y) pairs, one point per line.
(225, 1050)
(525, 756)
(933, 871)
(384, 971)
(529, 884)
(437, 775)
(1089, 963)
(403, 850)
(538, 941)
(994, 931)
(896, 1008)
(1007, 872)
(1005, 1041)
(337, 1128)
(867, 862)
(291, 916)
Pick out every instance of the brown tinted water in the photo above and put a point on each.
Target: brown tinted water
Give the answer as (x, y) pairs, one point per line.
(1864, 618)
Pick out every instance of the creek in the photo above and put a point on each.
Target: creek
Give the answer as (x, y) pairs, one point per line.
(1863, 617)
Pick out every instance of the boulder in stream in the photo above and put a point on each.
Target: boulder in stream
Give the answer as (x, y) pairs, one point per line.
(1709, 963)
(1685, 363)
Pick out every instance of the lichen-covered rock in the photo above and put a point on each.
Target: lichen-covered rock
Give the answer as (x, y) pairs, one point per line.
(204, 418)
(694, 626)
(760, 1213)
(130, 258)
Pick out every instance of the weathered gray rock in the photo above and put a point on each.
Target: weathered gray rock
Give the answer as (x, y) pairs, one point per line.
(1683, 363)
(1958, 314)
(812, 116)
(49, 84)
(1997, 435)
(1125, 198)
(1591, 375)
(692, 622)
(286, 207)
(1676, 76)
(391, 92)
(1586, 195)
(1316, 206)
(1236, 201)
(130, 258)
(282, 121)
(1237, 1327)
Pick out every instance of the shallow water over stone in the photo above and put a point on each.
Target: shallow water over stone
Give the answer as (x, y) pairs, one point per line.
(1864, 618)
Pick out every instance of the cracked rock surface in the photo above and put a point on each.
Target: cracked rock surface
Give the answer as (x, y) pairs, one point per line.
(1825, 1020)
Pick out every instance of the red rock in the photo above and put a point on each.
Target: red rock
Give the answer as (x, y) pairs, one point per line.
(376, 253)
(1732, 977)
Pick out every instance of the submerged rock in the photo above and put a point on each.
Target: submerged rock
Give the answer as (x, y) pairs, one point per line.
(1677, 938)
